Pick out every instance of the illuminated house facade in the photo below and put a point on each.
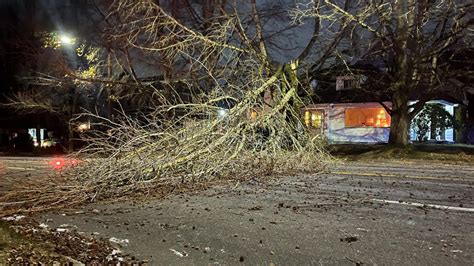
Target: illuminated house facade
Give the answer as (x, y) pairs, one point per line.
(366, 122)
(344, 114)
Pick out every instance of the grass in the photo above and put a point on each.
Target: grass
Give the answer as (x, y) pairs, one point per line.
(449, 153)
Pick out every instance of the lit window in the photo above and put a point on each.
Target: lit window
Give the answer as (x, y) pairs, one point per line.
(313, 118)
(253, 115)
(367, 117)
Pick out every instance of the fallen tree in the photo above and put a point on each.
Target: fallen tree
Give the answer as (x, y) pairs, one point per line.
(181, 142)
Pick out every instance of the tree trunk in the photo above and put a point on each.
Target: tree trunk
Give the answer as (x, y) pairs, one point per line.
(400, 126)
(72, 113)
(70, 139)
(433, 126)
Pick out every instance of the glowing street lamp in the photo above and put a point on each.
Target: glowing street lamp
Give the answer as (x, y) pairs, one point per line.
(66, 39)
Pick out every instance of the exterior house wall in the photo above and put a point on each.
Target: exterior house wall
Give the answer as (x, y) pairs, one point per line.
(449, 133)
(336, 131)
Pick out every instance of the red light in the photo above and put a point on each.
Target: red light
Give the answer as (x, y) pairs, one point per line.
(60, 163)
(57, 163)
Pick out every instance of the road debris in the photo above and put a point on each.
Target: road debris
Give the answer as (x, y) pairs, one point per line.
(41, 245)
(349, 239)
(14, 218)
(122, 242)
(179, 254)
(44, 226)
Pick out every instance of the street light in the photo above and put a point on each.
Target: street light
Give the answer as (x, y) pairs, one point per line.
(67, 42)
(66, 39)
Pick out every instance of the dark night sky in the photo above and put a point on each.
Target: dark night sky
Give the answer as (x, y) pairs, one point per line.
(10, 27)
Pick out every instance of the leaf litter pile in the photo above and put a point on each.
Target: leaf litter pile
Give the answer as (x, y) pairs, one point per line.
(26, 242)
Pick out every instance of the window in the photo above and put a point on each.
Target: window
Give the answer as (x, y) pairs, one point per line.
(350, 82)
(313, 118)
(367, 117)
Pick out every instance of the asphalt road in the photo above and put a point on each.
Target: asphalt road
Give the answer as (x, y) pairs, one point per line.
(25, 166)
(402, 213)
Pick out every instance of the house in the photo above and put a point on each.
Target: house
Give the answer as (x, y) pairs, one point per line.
(366, 122)
(37, 127)
(346, 112)
(362, 122)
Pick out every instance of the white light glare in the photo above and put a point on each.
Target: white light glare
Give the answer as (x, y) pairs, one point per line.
(66, 39)
(84, 127)
(221, 113)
